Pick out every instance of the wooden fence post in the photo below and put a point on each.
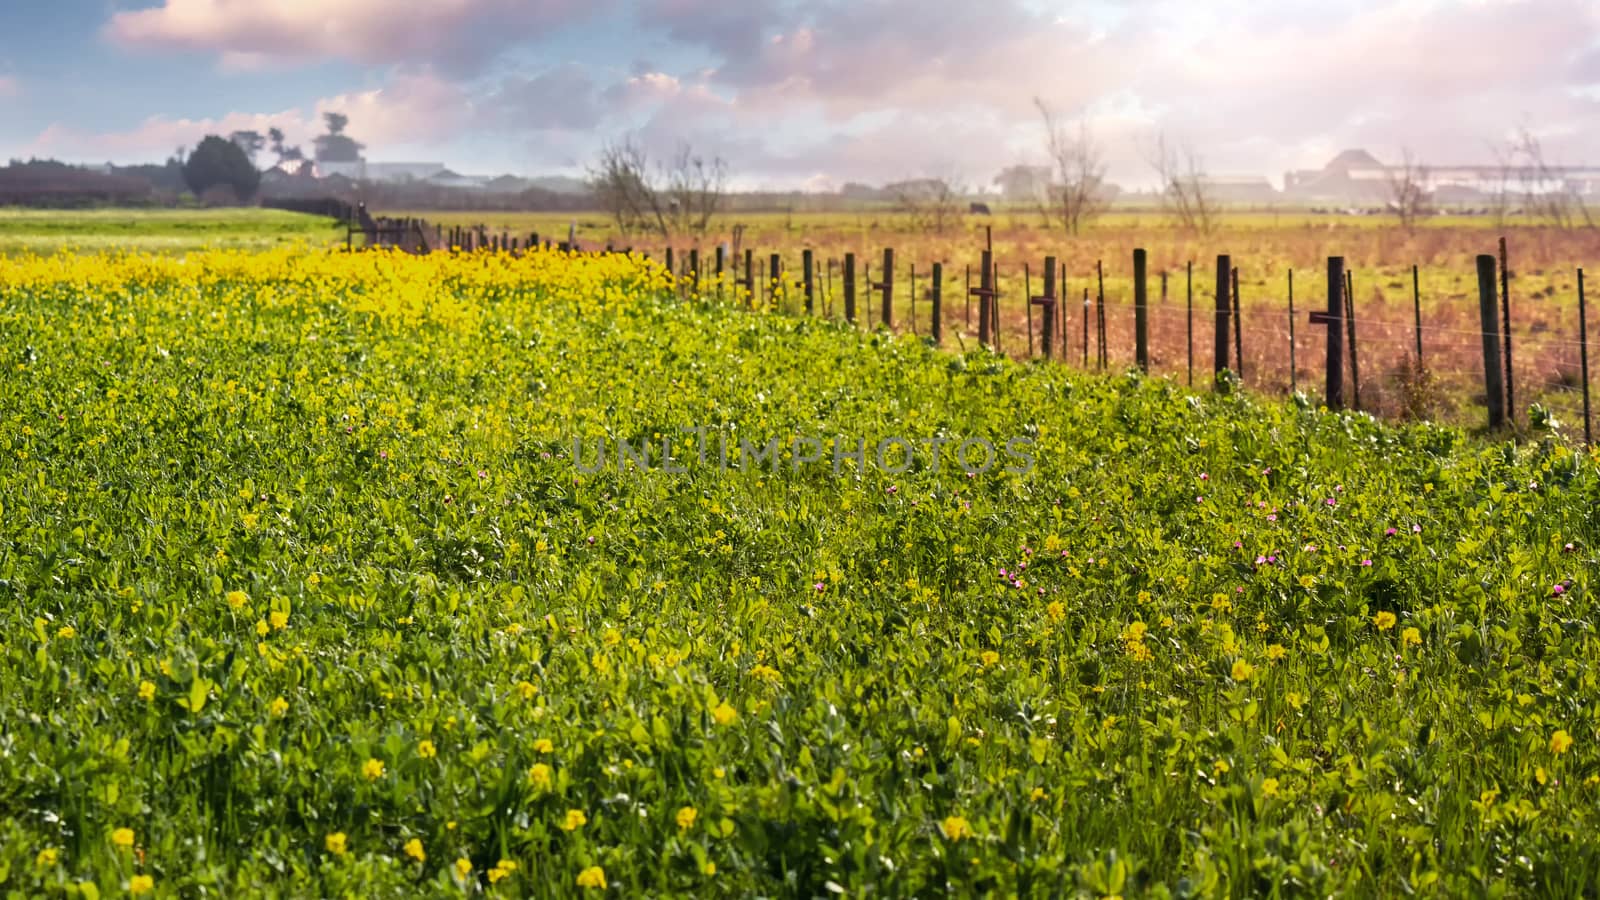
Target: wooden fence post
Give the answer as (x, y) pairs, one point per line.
(1334, 319)
(722, 265)
(774, 272)
(1141, 313)
(1049, 301)
(887, 286)
(1489, 315)
(1224, 309)
(850, 288)
(1104, 358)
(808, 276)
(694, 270)
(938, 303)
(750, 276)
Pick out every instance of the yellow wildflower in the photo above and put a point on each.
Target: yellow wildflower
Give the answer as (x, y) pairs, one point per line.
(414, 850)
(1384, 620)
(685, 818)
(335, 843)
(122, 837)
(141, 884)
(592, 877)
(574, 820)
(1560, 741)
(955, 828)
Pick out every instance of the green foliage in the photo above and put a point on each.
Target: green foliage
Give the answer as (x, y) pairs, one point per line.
(289, 583)
(217, 162)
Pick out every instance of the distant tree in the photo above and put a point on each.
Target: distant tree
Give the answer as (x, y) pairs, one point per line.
(1077, 194)
(1408, 192)
(250, 142)
(285, 153)
(682, 194)
(1185, 193)
(336, 146)
(217, 162)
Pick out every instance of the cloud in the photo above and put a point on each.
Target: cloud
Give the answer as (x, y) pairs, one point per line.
(247, 34)
(882, 89)
(410, 109)
(9, 87)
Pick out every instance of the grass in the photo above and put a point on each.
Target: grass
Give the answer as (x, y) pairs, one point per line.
(306, 594)
(159, 230)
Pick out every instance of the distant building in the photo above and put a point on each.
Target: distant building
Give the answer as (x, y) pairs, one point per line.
(1239, 188)
(1358, 176)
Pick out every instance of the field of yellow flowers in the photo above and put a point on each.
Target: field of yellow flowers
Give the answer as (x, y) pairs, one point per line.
(305, 594)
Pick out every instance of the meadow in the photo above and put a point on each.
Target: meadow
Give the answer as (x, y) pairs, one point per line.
(306, 594)
(42, 231)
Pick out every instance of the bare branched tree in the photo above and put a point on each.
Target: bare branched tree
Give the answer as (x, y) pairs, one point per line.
(931, 205)
(1545, 192)
(1185, 193)
(1408, 190)
(682, 194)
(1076, 195)
(696, 188)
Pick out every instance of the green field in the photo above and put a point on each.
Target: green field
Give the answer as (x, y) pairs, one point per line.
(307, 596)
(160, 230)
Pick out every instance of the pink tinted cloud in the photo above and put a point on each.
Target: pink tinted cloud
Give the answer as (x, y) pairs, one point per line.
(409, 109)
(249, 34)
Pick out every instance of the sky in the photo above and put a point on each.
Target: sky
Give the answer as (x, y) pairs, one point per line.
(807, 94)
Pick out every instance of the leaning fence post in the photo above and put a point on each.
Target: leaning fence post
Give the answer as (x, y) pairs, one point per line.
(1104, 359)
(850, 288)
(1493, 381)
(1224, 309)
(938, 303)
(1141, 313)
